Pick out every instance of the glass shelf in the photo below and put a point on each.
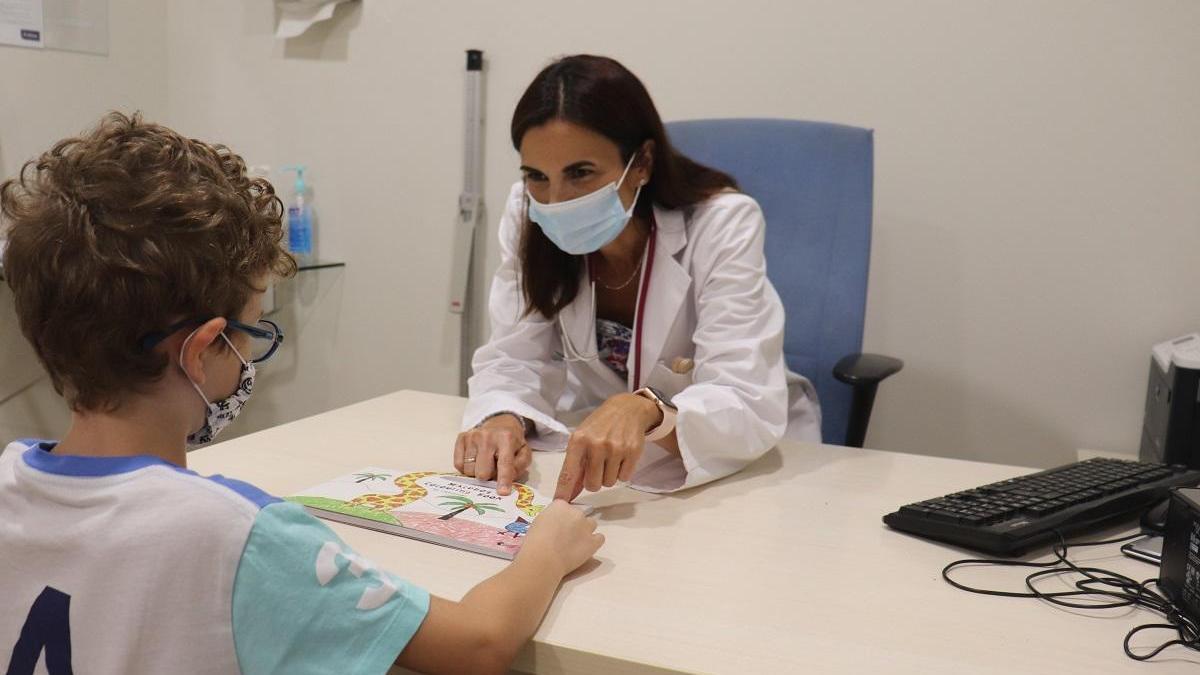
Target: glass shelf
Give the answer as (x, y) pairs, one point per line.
(306, 265)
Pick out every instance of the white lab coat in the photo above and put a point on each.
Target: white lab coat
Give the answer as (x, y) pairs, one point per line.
(709, 300)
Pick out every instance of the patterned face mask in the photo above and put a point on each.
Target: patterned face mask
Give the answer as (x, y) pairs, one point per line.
(220, 413)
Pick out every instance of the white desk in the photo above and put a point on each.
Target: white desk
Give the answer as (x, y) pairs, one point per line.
(785, 567)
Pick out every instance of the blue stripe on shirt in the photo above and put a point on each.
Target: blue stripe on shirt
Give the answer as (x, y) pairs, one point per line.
(40, 457)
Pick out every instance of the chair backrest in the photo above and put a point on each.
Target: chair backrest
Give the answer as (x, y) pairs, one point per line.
(814, 181)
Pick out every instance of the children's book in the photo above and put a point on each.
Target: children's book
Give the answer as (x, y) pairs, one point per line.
(441, 508)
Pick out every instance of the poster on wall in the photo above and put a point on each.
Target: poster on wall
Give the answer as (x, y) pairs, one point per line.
(21, 23)
(70, 25)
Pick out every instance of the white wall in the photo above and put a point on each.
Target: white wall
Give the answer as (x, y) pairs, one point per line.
(46, 95)
(1036, 170)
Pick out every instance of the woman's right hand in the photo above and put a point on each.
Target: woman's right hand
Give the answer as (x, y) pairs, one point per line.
(495, 450)
(561, 537)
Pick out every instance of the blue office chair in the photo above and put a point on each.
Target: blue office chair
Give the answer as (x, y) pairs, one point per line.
(814, 183)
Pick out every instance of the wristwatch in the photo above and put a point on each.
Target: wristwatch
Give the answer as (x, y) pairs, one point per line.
(668, 410)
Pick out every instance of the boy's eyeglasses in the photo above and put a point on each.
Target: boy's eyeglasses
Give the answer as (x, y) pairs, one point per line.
(265, 336)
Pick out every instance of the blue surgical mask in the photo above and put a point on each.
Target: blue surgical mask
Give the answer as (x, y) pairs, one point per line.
(587, 223)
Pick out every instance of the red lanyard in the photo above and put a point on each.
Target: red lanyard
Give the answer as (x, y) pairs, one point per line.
(643, 292)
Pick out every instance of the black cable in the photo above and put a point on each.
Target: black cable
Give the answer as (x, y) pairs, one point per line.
(1108, 589)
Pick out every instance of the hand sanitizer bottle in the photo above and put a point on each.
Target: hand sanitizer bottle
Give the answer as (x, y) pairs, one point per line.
(299, 213)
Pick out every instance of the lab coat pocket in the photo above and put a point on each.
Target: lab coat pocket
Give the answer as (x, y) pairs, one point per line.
(668, 381)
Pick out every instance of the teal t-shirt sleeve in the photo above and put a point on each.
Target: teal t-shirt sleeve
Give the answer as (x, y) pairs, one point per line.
(304, 602)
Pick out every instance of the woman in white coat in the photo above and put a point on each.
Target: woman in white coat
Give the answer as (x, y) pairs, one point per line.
(631, 304)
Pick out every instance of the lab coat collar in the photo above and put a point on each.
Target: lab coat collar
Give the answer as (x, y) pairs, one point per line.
(668, 290)
(672, 230)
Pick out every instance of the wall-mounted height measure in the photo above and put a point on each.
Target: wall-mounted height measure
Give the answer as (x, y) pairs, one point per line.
(470, 202)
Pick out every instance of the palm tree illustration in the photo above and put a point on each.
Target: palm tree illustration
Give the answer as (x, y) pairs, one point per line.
(461, 504)
(366, 476)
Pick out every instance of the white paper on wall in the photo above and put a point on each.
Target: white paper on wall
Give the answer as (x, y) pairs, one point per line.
(296, 16)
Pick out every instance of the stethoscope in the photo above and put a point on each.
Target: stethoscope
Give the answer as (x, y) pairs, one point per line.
(574, 355)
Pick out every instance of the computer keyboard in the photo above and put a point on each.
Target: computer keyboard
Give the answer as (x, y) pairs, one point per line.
(1012, 516)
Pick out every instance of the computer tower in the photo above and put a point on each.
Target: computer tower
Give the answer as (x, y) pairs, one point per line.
(1171, 426)
(1179, 571)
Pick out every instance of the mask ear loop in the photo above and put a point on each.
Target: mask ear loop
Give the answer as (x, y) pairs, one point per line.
(195, 386)
(183, 348)
(638, 192)
(628, 166)
(235, 350)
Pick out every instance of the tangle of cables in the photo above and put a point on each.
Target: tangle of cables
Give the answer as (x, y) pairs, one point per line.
(1106, 590)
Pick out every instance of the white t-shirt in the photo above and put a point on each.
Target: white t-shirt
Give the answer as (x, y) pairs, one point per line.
(133, 565)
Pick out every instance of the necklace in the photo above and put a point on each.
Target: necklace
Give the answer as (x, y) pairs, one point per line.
(636, 270)
(627, 281)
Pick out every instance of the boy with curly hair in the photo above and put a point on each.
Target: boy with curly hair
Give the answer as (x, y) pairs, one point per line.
(138, 260)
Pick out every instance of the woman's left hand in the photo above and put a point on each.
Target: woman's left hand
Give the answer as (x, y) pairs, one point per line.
(606, 447)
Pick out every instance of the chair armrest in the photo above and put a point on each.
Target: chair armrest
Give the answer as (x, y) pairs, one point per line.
(863, 369)
(863, 372)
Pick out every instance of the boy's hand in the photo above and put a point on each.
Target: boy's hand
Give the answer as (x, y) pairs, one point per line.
(496, 450)
(561, 537)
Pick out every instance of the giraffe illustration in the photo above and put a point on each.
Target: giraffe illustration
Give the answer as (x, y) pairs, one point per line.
(525, 501)
(411, 491)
